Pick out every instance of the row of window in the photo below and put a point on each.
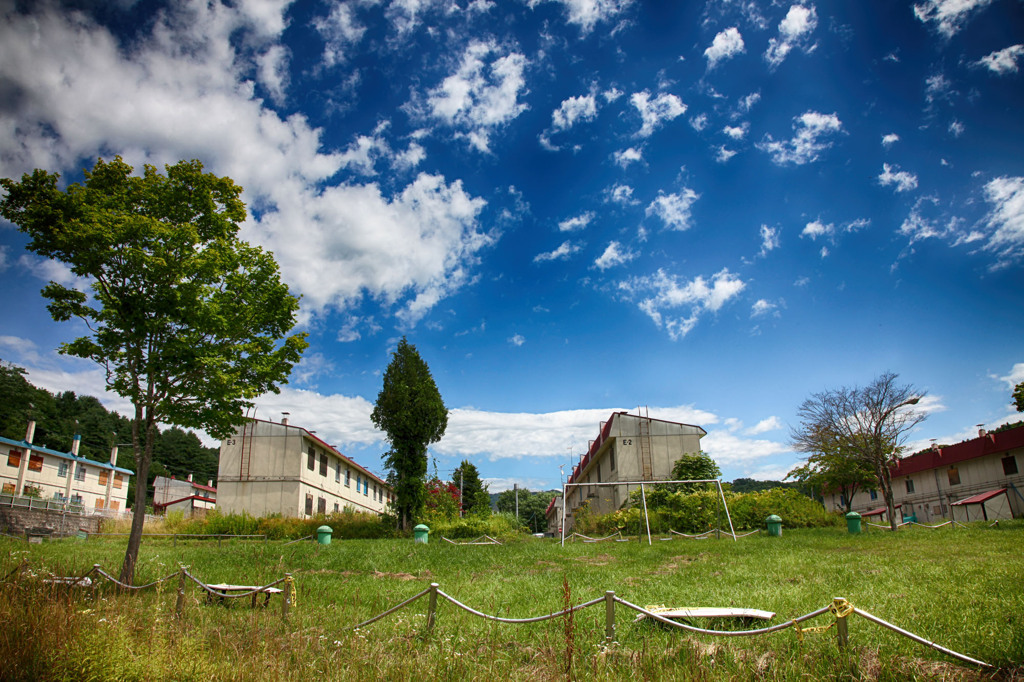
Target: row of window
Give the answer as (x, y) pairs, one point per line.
(953, 474)
(362, 482)
(8, 489)
(35, 463)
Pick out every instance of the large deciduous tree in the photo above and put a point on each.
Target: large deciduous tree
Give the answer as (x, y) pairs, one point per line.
(868, 425)
(189, 322)
(693, 467)
(835, 468)
(409, 410)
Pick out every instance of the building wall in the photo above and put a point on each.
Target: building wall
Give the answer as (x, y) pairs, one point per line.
(933, 489)
(265, 469)
(617, 455)
(100, 487)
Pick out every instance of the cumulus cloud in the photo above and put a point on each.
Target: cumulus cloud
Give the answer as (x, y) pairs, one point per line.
(903, 180)
(723, 153)
(769, 239)
(582, 108)
(660, 294)
(517, 340)
(655, 112)
(947, 16)
(575, 223)
(482, 95)
(762, 308)
(588, 13)
(729, 449)
(727, 44)
(627, 156)
(618, 194)
(565, 251)
(340, 31)
(811, 133)
(890, 139)
(614, 254)
(1006, 218)
(674, 209)
(1002, 62)
(794, 31)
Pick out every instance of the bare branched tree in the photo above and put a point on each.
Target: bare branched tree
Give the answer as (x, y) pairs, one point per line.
(871, 422)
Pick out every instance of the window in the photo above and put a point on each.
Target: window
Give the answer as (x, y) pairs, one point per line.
(309, 505)
(59, 496)
(79, 472)
(611, 458)
(910, 486)
(321, 506)
(954, 476)
(1009, 465)
(359, 482)
(842, 500)
(113, 504)
(337, 475)
(35, 463)
(62, 469)
(14, 458)
(323, 464)
(104, 477)
(118, 480)
(311, 459)
(8, 488)
(335, 507)
(99, 503)
(366, 487)
(348, 477)
(874, 494)
(76, 499)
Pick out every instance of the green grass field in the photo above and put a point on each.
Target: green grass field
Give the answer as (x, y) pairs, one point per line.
(962, 588)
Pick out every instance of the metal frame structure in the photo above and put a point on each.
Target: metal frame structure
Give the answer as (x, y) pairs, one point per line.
(643, 496)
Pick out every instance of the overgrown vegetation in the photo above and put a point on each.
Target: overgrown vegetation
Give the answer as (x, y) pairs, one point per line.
(968, 600)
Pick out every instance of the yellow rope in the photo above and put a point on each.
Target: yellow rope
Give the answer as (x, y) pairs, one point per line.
(842, 609)
(799, 632)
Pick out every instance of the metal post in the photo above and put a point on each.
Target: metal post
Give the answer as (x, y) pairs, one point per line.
(432, 608)
(179, 605)
(609, 616)
(287, 601)
(842, 637)
(647, 519)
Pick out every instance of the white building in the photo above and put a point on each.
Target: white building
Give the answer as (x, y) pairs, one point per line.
(930, 484)
(62, 476)
(270, 468)
(184, 495)
(629, 447)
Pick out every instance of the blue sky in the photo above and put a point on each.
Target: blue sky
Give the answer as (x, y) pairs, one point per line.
(571, 207)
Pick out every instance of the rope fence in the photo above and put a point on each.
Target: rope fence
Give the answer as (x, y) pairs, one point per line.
(706, 534)
(840, 608)
(482, 540)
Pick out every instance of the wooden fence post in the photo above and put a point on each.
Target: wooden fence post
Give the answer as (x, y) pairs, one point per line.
(842, 636)
(432, 607)
(179, 605)
(287, 601)
(609, 616)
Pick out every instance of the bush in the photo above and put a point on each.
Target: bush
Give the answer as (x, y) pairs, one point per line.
(501, 525)
(345, 524)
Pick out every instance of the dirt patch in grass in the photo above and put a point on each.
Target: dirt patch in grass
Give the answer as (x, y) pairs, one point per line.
(597, 560)
(402, 576)
(674, 564)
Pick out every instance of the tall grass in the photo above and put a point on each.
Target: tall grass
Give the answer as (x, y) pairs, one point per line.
(958, 587)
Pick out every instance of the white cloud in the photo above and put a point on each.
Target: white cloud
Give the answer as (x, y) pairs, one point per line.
(917, 225)
(764, 426)
(273, 72)
(482, 94)
(618, 193)
(769, 239)
(340, 32)
(747, 103)
(762, 308)
(517, 340)
(3, 254)
(565, 251)
(956, 128)
(1002, 62)
(890, 139)
(903, 180)
(582, 108)
(794, 30)
(1006, 218)
(808, 141)
(614, 255)
(723, 153)
(728, 449)
(655, 112)
(727, 44)
(947, 16)
(627, 156)
(588, 13)
(661, 293)
(699, 122)
(1015, 376)
(737, 132)
(674, 209)
(575, 223)
(816, 228)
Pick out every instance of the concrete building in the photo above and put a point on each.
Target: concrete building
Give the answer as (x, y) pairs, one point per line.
(629, 447)
(62, 477)
(276, 468)
(553, 514)
(934, 484)
(184, 495)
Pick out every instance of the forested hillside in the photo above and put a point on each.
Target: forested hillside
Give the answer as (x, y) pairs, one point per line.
(59, 417)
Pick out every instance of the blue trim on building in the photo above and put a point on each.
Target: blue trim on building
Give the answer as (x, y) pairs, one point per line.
(25, 445)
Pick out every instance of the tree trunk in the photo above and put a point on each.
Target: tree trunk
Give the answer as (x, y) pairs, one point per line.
(143, 459)
(890, 503)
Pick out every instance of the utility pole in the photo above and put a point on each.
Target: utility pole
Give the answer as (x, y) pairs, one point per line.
(461, 504)
(515, 486)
